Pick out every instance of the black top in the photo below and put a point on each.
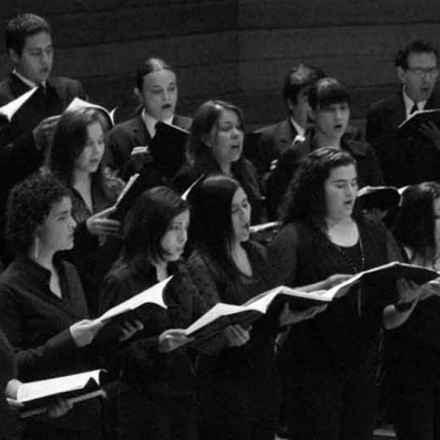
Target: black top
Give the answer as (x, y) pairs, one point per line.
(37, 322)
(9, 429)
(138, 360)
(345, 335)
(251, 367)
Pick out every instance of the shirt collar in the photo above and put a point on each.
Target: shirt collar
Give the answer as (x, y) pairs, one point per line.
(409, 103)
(300, 130)
(27, 81)
(151, 122)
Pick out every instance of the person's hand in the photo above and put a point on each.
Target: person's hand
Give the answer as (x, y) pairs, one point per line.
(336, 279)
(236, 335)
(44, 131)
(99, 224)
(84, 331)
(409, 291)
(431, 288)
(172, 339)
(129, 329)
(58, 408)
(288, 316)
(432, 132)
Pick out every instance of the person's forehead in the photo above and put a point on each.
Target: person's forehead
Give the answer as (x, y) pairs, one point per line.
(159, 78)
(418, 58)
(41, 39)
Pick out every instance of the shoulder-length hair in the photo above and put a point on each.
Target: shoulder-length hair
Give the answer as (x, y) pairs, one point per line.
(415, 224)
(147, 223)
(69, 141)
(305, 199)
(211, 220)
(29, 204)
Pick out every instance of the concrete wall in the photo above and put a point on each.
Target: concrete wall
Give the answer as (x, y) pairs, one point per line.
(238, 50)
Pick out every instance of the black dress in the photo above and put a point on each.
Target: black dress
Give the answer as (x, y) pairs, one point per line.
(156, 398)
(330, 361)
(238, 387)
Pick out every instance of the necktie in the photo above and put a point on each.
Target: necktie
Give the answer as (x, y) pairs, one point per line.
(414, 108)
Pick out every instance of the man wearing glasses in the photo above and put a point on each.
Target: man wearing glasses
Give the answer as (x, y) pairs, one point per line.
(406, 161)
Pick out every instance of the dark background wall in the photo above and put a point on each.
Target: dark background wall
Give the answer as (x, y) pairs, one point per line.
(237, 50)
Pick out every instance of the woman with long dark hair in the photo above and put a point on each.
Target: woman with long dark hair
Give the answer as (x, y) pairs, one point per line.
(216, 147)
(329, 362)
(413, 349)
(238, 386)
(156, 399)
(75, 158)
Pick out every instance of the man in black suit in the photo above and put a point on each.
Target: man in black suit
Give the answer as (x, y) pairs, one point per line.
(406, 161)
(127, 144)
(29, 44)
(275, 138)
(22, 141)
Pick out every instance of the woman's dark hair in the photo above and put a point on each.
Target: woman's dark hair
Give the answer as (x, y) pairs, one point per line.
(147, 223)
(415, 224)
(150, 65)
(211, 221)
(205, 119)
(327, 91)
(305, 198)
(29, 204)
(200, 155)
(69, 141)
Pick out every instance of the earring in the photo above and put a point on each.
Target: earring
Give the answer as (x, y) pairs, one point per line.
(36, 250)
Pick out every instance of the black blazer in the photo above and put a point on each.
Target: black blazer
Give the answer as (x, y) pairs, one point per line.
(124, 137)
(403, 161)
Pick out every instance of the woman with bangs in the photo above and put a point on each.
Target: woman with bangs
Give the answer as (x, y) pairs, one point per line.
(216, 147)
(156, 398)
(329, 104)
(75, 158)
(329, 363)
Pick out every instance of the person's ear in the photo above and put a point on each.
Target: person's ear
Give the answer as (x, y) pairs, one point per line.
(401, 73)
(15, 57)
(138, 94)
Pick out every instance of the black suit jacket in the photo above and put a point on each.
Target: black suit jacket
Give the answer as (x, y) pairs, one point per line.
(58, 95)
(273, 141)
(403, 161)
(124, 137)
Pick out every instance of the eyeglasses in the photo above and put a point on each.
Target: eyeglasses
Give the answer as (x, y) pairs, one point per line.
(418, 71)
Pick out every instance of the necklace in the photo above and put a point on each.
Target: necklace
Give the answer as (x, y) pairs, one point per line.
(349, 260)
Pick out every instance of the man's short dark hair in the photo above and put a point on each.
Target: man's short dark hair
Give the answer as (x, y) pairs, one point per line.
(416, 45)
(150, 65)
(23, 26)
(299, 77)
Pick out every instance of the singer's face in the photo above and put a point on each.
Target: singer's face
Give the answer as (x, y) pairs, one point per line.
(159, 94)
(174, 240)
(36, 58)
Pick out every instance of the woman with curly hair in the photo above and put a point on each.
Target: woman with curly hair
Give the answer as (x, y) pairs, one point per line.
(329, 362)
(43, 311)
(216, 147)
(413, 349)
(156, 398)
(75, 158)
